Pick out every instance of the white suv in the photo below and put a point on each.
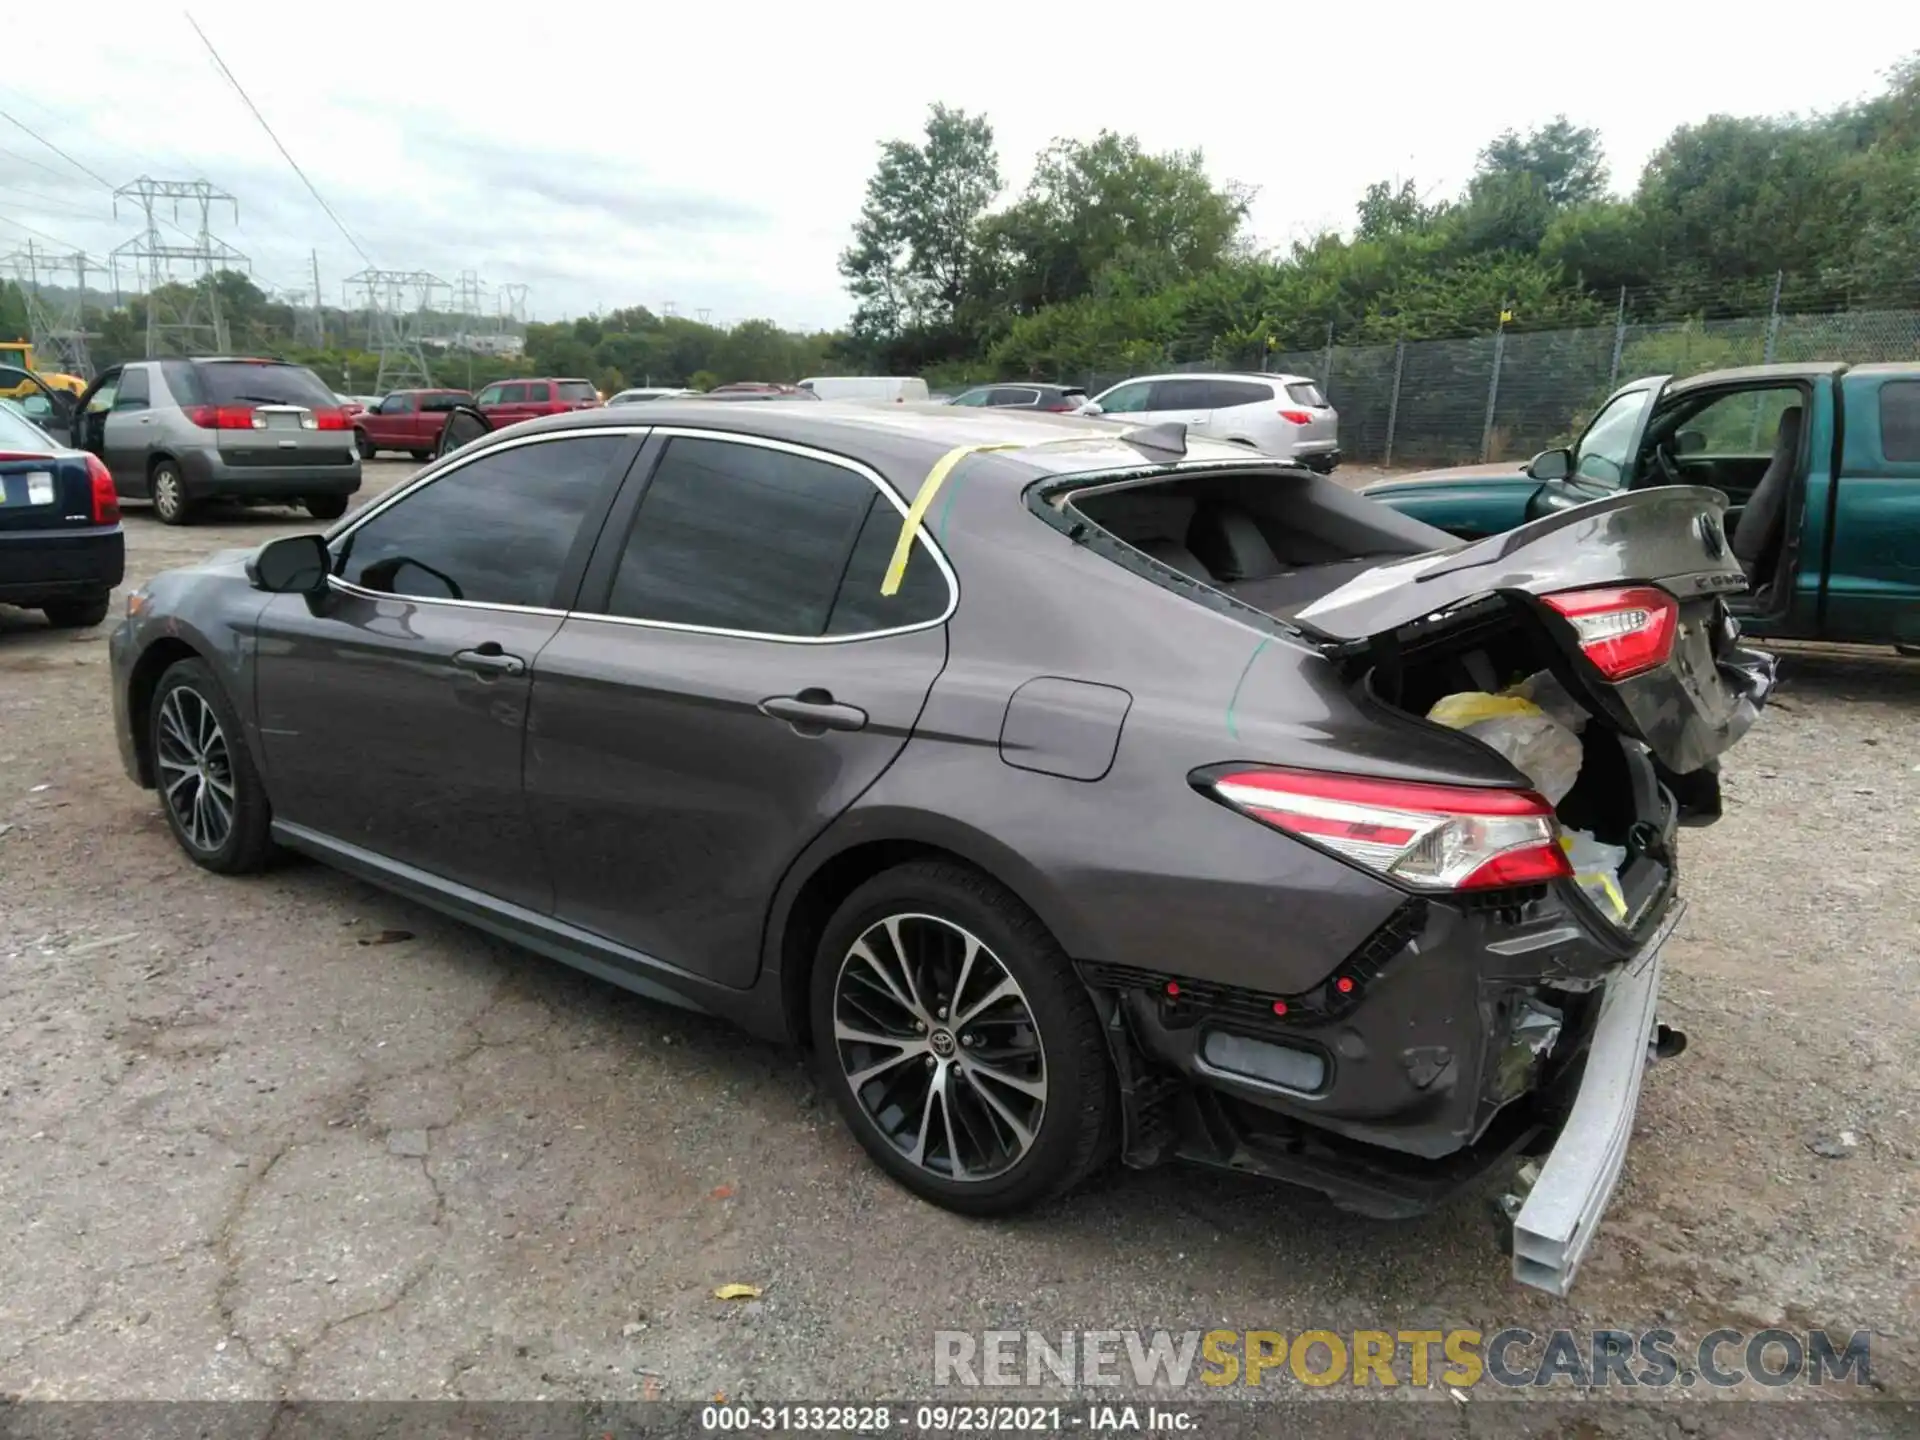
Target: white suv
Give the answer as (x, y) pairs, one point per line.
(1284, 415)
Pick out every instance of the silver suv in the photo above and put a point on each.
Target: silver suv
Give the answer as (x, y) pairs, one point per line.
(180, 432)
(1284, 415)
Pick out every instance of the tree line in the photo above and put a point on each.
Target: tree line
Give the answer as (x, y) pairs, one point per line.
(1114, 258)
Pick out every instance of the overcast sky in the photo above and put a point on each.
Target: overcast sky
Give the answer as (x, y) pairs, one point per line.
(716, 158)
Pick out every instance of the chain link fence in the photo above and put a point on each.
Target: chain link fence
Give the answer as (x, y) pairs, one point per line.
(1508, 395)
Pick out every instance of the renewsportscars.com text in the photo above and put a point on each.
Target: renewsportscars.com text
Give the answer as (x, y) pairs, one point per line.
(1460, 1359)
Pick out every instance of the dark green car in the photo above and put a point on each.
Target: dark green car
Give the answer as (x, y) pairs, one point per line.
(1821, 464)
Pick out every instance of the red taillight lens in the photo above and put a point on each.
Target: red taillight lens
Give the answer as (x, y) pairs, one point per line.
(106, 501)
(1297, 417)
(1624, 632)
(330, 419)
(1430, 837)
(225, 417)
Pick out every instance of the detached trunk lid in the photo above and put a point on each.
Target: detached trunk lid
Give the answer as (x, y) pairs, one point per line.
(1695, 702)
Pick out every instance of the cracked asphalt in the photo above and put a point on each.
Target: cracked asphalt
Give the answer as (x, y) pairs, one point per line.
(292, 1138)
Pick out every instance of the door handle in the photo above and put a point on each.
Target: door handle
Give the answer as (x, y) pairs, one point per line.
(488, 660)
(814, 712)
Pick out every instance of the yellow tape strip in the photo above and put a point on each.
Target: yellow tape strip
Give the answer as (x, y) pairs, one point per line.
(916, 512)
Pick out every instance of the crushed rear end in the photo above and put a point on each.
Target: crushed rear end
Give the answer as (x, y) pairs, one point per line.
(1506, 1008)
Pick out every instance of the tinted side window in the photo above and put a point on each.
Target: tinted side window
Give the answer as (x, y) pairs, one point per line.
(542, 392)
(972, 397)
(397, 405)
(496, 531)
(1225, 394)
(1900, 419)
(1009, 395)
(512, 394)
(741, 537)
(1305, 392)
(1127, 400)
(860, 608)
(1182, 395)
(135, 392)
(491, 395)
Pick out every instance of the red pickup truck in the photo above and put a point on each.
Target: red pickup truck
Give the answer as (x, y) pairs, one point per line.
(512, 401)
(409, 420)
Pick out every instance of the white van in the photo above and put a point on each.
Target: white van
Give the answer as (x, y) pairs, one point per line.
(867, 387)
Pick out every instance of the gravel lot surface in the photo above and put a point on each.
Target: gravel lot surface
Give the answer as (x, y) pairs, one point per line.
(291, 1137)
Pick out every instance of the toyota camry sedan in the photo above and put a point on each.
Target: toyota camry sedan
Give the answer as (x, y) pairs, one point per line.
(1077, 793)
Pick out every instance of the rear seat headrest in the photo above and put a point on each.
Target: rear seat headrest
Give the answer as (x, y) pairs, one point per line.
(1228, 542)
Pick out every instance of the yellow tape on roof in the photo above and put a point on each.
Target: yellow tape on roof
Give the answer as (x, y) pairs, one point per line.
(916, 512)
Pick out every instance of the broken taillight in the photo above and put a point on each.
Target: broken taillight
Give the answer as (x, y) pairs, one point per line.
(1624, 632)
(1430, 837)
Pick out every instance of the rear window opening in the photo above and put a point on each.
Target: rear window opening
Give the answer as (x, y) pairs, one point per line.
(577, 390)
(1275, 540)
(1305, 392)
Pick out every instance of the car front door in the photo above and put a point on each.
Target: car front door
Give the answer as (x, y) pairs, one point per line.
(392, 711)
(731, 680)
(90, 425)
(390, 425)
(1872, 584)
(1128, 401)
(127, 430)
(1603, 461)
(54, 411)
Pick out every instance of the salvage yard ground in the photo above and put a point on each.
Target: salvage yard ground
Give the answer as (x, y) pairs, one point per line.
(294, 1137)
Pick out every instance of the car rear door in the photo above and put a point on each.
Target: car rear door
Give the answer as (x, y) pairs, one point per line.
(731, 680)
(392, 713)
(510, 407)
(1872, 582)
(1187, 402)
(1639, 573)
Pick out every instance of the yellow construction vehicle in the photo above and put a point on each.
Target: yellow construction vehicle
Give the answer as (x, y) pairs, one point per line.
(18, 355)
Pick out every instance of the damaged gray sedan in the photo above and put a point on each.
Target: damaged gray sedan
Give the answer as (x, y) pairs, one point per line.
(1076, 793)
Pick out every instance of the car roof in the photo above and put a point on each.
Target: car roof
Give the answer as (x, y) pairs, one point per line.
(904, 441)
(1744, 373)
(1277, 377)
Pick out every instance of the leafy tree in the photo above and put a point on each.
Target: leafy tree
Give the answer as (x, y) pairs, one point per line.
(1565, 158)
(1108, 203)
(13, 312)
(916, 256)
(1386, 210)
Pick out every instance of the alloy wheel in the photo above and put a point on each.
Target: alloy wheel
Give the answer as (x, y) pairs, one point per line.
(167, 499)
(196, 769)
(940, 1047)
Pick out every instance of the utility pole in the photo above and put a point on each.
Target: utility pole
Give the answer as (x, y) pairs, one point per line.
(201, 321)
(397, 306)
(319, 315)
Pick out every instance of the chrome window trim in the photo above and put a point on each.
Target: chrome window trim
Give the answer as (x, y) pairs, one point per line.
(805, 452)
(459, 460)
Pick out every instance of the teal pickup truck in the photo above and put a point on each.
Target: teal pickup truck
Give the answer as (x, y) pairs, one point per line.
(1820, 465)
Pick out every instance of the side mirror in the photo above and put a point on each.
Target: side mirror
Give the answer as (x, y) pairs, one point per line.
(1551, 465)
(291, 565)
(1689, 442)
(1092, 407)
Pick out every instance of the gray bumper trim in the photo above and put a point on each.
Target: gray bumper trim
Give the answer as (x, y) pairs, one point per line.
(1563, 1210)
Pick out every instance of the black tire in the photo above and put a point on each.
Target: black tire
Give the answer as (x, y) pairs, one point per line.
(421, 454)
(326, 507)
(364, 445)
(76, 614)
(1074, 1129)
(1912, 651)
(167, 488)
(245, 845)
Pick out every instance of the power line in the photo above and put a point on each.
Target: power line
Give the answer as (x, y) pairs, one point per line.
(29, 160)
(83, 169)
(246, 99)
(64, 244)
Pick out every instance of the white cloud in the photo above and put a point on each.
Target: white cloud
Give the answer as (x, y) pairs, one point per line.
(716, 156)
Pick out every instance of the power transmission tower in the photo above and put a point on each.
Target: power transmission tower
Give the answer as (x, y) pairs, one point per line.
(56, 326)
(469, 300)
(510, 303)
(310, 326)
(201, 319)
(397, 305)
(703, 312)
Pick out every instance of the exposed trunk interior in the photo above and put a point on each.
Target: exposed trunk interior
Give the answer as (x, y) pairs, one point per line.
(1280, 542)
(1277, 542)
